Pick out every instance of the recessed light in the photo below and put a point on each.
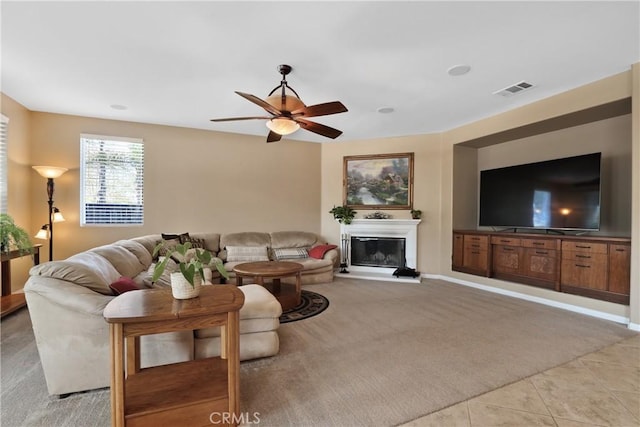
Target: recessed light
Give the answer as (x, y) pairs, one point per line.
(459, 70)
(118, 107)
(385, 110)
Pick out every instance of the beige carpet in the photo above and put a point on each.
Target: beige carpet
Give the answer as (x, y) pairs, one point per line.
(386, 353)
(380, 355)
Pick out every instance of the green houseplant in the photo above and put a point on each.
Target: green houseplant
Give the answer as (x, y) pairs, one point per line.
(12, 236)
(186, 282)
(343, 214)
(416, 213)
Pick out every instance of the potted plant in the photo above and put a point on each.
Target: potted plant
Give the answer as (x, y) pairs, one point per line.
(12, 236)
(416, 213)
(343, 214)
(186, 282)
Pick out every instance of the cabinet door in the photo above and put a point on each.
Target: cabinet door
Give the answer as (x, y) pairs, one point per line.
(540, 263)
(507, 259)
(619, 268)
(458, 250)
(476, 259)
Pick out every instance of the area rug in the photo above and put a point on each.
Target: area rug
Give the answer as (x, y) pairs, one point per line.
(311, 304)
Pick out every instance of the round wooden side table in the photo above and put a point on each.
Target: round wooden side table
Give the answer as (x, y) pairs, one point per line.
(288, 295)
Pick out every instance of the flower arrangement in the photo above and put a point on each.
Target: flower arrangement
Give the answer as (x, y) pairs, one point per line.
(378, 215)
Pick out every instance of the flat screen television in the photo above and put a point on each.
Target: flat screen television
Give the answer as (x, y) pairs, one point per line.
(560, 194)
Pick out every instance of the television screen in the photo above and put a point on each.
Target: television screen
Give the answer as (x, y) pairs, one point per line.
(554, 194)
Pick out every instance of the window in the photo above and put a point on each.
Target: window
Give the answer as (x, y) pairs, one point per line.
(111, 180)
(4, 173)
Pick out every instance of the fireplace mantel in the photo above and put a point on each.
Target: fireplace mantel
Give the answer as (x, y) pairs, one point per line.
(401, 228)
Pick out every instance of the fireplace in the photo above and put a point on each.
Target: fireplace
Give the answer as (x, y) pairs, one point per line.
(377, 247)
(377, 251)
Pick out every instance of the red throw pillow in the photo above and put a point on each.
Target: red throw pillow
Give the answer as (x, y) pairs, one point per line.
(319, 251)
(122, 285)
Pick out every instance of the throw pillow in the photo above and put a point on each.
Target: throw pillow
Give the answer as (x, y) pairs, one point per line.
(122, 285)
(195, 242)
(173, 236)
(247, 253)
(290, 253)
(319, 251)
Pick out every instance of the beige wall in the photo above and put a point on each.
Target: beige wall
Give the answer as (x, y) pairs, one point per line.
(634, 302)
(426, 188)
(19, 173)
(195, 180)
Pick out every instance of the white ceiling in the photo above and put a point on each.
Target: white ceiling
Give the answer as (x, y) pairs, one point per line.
(179, 63)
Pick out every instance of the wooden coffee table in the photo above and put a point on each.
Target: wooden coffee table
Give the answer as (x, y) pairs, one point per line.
(288, 295)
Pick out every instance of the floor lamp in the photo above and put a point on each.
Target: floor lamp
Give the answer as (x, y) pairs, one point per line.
(51, 172)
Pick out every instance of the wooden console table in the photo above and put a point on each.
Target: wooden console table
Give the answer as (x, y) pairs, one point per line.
(12, 302)
(189, 393)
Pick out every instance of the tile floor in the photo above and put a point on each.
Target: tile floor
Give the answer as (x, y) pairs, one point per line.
(599, 389)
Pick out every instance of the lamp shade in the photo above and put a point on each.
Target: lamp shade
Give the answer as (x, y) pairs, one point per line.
(57, 215)
(283, 126)
(50, 171)
(43, 233)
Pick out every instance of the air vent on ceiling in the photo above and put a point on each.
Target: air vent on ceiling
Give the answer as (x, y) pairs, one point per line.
(513, 89)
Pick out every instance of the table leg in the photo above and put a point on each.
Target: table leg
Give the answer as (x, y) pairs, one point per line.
(276, 286)
(117, 374)
(298, 287)
(133, 355)
(232, 343)
(6, 278)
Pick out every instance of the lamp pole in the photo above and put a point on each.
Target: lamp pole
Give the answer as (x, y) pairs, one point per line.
(50, 172)
(50, 189)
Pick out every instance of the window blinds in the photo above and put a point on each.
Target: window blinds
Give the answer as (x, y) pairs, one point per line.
(4, 172)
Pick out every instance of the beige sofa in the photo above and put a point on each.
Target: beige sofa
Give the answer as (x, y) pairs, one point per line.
(66, 300)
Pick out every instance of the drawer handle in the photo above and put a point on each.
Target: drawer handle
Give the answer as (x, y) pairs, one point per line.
(475, 252)
(507, 249)
(542, 252)
(537, 244)
(620, 250)
(505, 241)
(475, 238)
(476, 246)
(583, 247)
(583, 256)
(583, 266)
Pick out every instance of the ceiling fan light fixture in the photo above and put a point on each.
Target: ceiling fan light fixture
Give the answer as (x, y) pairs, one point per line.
(282, 126)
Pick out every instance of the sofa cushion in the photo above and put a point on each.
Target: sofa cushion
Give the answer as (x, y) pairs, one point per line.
(261, 312)
(247, 253)
(293, 239)
(319, 251)
(248, 238)
(138, 249)
(122, 259)
(290, 253)
(87, 269)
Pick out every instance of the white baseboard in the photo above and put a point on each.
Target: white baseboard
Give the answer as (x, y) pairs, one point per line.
(570, 307)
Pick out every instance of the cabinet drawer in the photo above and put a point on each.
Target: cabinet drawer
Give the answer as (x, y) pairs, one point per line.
(475, 239)
(584, 257)
(505, 241)
(592, 275)
(540, 243)
(506, 259)
(591, 247)
(620, 269)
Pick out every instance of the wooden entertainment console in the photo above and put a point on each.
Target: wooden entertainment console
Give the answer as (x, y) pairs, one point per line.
(594, 267)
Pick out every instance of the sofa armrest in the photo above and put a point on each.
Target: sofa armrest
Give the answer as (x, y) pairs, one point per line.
(334, 256)
(67, 294)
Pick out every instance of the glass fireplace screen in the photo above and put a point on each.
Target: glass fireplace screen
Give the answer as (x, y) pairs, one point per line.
(378, 251)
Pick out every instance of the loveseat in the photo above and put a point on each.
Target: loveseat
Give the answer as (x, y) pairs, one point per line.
(66, 300)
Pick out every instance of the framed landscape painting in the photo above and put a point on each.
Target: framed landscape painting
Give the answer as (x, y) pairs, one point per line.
(381, 181)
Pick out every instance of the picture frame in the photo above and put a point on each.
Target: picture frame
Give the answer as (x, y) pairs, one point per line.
(379, 181)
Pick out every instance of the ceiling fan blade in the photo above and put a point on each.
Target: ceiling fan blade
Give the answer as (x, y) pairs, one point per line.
(273, 137)
(323, 130)
(240, 118)
(264, 104)
(325, 109)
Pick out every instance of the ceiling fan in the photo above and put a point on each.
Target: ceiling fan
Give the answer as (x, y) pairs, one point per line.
(288, 113)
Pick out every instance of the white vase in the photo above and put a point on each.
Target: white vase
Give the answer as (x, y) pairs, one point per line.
(182, 289)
